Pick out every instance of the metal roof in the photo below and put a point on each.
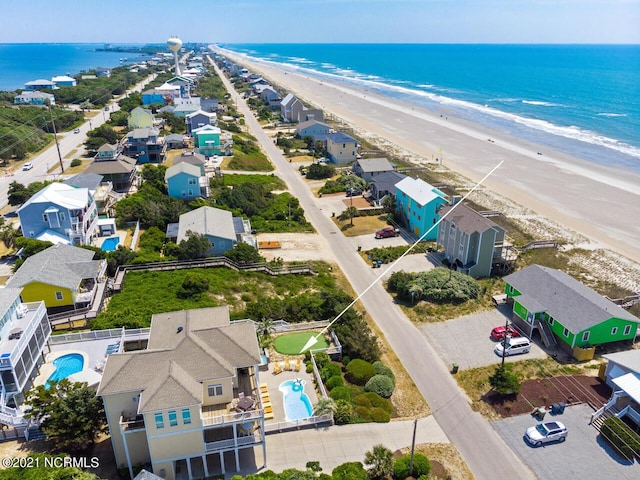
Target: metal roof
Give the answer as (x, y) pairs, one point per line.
(207, 221)
(419, 190)
(630, 383)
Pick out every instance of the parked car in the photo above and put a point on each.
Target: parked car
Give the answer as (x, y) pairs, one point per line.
(27, 166)
(546, 432)
(498, 333)
(514, 346)
(387, 232)
(77, 130)
(353, 192)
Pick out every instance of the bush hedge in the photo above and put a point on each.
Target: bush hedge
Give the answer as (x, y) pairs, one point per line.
(330, 370)
(343, 412)
(378, 415)
(380, 384)
(335, 381)
(340, 393)
(363, 414)
(616, 432)
(359, 371)
(322, 359)
(372, 399)
(421, 466)
(382, 369)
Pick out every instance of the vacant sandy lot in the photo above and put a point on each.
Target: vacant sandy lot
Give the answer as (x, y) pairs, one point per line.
(297, 247)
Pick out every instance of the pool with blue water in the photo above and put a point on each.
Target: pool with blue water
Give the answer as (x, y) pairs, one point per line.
(66, 365)
(110, 244)
(297, 405)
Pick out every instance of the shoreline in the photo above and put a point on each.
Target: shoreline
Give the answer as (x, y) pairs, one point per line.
(591, 199)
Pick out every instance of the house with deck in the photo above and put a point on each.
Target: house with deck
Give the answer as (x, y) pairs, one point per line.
(369, 168)
(472, 244)
(384, 185)
(60, 213)
(62, 276)
(34, 98)
(193, 158)
(419, 203)
(341, 147)
(290, 108)
(208, 141)
(190, 401)
(40, 84)
(64, 81)
(200, 118)
(566, 312)
(186, 182)
(312, 128)
(24, 333)
(114, 166)
(145, 145)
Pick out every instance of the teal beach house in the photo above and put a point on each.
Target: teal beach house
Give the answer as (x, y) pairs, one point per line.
(419, 202)
(565, 311)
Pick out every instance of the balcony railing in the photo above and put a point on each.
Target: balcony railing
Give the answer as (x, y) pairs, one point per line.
(35, 312)
(230, 418)
(228, 444)
(132, 423)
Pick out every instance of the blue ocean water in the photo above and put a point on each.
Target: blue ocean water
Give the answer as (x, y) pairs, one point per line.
(580, 99)
(23, 62)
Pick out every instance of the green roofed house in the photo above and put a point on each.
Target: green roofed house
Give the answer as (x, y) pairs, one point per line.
(565, 311)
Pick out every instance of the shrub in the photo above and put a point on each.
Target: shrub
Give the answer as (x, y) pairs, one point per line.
(329, 370)
(439, 285)
(382, 369)
(378, 415)
(504, 380)
(374, 400)
(340, 393)
(616, 432)
(363, 414)
(359, 371)
(421, 466)
(344, 412)
(380, 384)
(362, 401)
(76, 162)
(309, 367)
(345, 362)
(192, 285)
(321, 359)
(335, 381)
(350, 471)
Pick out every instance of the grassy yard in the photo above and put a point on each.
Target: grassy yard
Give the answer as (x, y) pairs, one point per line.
(361, 225)
(74, 170)
(252, 162)
(231, 179)
(293, 343)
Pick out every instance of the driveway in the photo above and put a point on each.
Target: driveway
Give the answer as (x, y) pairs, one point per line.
(467, 341)
(582, 455)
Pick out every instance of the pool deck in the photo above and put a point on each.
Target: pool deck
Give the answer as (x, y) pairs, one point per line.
(48, 367)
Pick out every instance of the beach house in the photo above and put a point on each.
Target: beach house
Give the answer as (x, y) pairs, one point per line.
(200, 118)
(152, 96)
(140, 118)
(564, 311)
(24, 333)
(186, 182)
(312, 128)
(114, 166)
(145, 145)
(34, 98)
(192, 158)
(269, 95)
(40, 84)
(60, 213)
(341, 148)
(290, 108)
(220, 227)
(61, 276)
(418, 203)
(384, 185)
(102, 192)
(207, 141)
(369, 168)
(186, 106)
(472, 243)
(190, 400)
(64, 81)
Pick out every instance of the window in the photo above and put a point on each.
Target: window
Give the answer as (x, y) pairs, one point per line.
(173, 418)
(44, 217)
(585, 336)
(551, 320)
(565, 332)
(627, 330)
(159, 420)
(192, 181)
(215, 390)
(186, 416)
(59, 296)
(61, 214)
(614, 331)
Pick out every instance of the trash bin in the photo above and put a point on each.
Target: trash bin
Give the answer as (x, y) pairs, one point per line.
(454, 368)
(359, 248)
(557, 408)
(539, 413)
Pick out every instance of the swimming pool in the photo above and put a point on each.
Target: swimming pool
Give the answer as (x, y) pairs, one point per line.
(66, 365)
(110, 244)
(297, 405)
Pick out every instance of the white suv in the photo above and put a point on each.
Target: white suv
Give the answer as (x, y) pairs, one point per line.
(546, 432)
(27, 166)
(514, 346)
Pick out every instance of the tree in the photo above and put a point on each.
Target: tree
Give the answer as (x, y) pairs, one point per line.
(325, 406)
(194, 246)
(505, 381)
(193, 285)
(8, 234)
(379, 462)
(244, 253)
(389, 204)
(350, 471)
(70, 414)
(348, 214)
(318, 171)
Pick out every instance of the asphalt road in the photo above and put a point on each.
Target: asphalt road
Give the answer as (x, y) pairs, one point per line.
(487, 455)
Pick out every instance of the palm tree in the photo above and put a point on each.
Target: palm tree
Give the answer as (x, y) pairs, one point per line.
(379, 462)
(348, 214)
(265, 328)
(324, 406)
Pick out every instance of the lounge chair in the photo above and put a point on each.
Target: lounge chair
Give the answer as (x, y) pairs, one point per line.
(287, 364)
(298, 365)
(276, 368)
(264, 388)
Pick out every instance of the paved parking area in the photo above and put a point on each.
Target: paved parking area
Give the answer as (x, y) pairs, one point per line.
(467, 341)
(582, 455)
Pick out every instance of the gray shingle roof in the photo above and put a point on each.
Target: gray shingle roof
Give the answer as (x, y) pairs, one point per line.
(60, 265)
(386, 182)
(468, 220)
(85, 180)
(7, 297)
(369, 165)
(207, 221)
(572, 303)
(182, 167)
(171, 371)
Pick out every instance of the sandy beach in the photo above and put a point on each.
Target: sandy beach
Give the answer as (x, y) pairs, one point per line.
(602, 204)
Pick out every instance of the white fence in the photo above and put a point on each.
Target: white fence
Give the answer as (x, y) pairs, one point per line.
(298, 424)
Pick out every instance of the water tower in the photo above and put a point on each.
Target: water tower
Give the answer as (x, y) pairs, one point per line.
(174, 44)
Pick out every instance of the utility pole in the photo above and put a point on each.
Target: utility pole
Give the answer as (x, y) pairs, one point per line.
(413, 446)
(55, 137)
(504, 341)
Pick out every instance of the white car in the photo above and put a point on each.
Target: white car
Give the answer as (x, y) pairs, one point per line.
(514, 346)
(27, 166)
(546, 432)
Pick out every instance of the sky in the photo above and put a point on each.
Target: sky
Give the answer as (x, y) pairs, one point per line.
(321, 21)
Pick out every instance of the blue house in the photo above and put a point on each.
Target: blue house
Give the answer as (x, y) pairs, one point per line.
(215, 224)
(311, 128)
(145, 145)
(34, 98)
(184, 181)
(151, 96)
(419, 203)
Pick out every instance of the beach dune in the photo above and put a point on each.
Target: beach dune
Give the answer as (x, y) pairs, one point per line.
(601, 203)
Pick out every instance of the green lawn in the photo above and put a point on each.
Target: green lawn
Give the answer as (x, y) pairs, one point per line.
(293, 343)
(252, 162)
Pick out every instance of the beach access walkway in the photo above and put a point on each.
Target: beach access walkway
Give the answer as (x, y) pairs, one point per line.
(486, 453)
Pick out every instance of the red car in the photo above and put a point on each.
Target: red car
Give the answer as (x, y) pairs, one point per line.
(387, 232)
(498, 332)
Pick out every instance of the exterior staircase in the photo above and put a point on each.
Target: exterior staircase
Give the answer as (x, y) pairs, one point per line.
(33, 433)
(547, 335)
(599, 417)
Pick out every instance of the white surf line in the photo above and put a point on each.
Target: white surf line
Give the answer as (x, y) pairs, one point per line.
(313, 340)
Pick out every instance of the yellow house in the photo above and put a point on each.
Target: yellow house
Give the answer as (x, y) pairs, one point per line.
(189, 397)
(63, 276)
(140, 118)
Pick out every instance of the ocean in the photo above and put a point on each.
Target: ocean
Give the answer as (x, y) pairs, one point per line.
(23, 62)
(583, 100)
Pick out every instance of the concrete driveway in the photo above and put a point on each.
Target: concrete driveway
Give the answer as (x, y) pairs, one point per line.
(583, 455)
(467, 341)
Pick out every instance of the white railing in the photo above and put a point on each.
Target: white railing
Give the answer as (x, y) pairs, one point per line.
(230, 443)
(297, 424)
(232, 418)
(38, 311)
(137, 333)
